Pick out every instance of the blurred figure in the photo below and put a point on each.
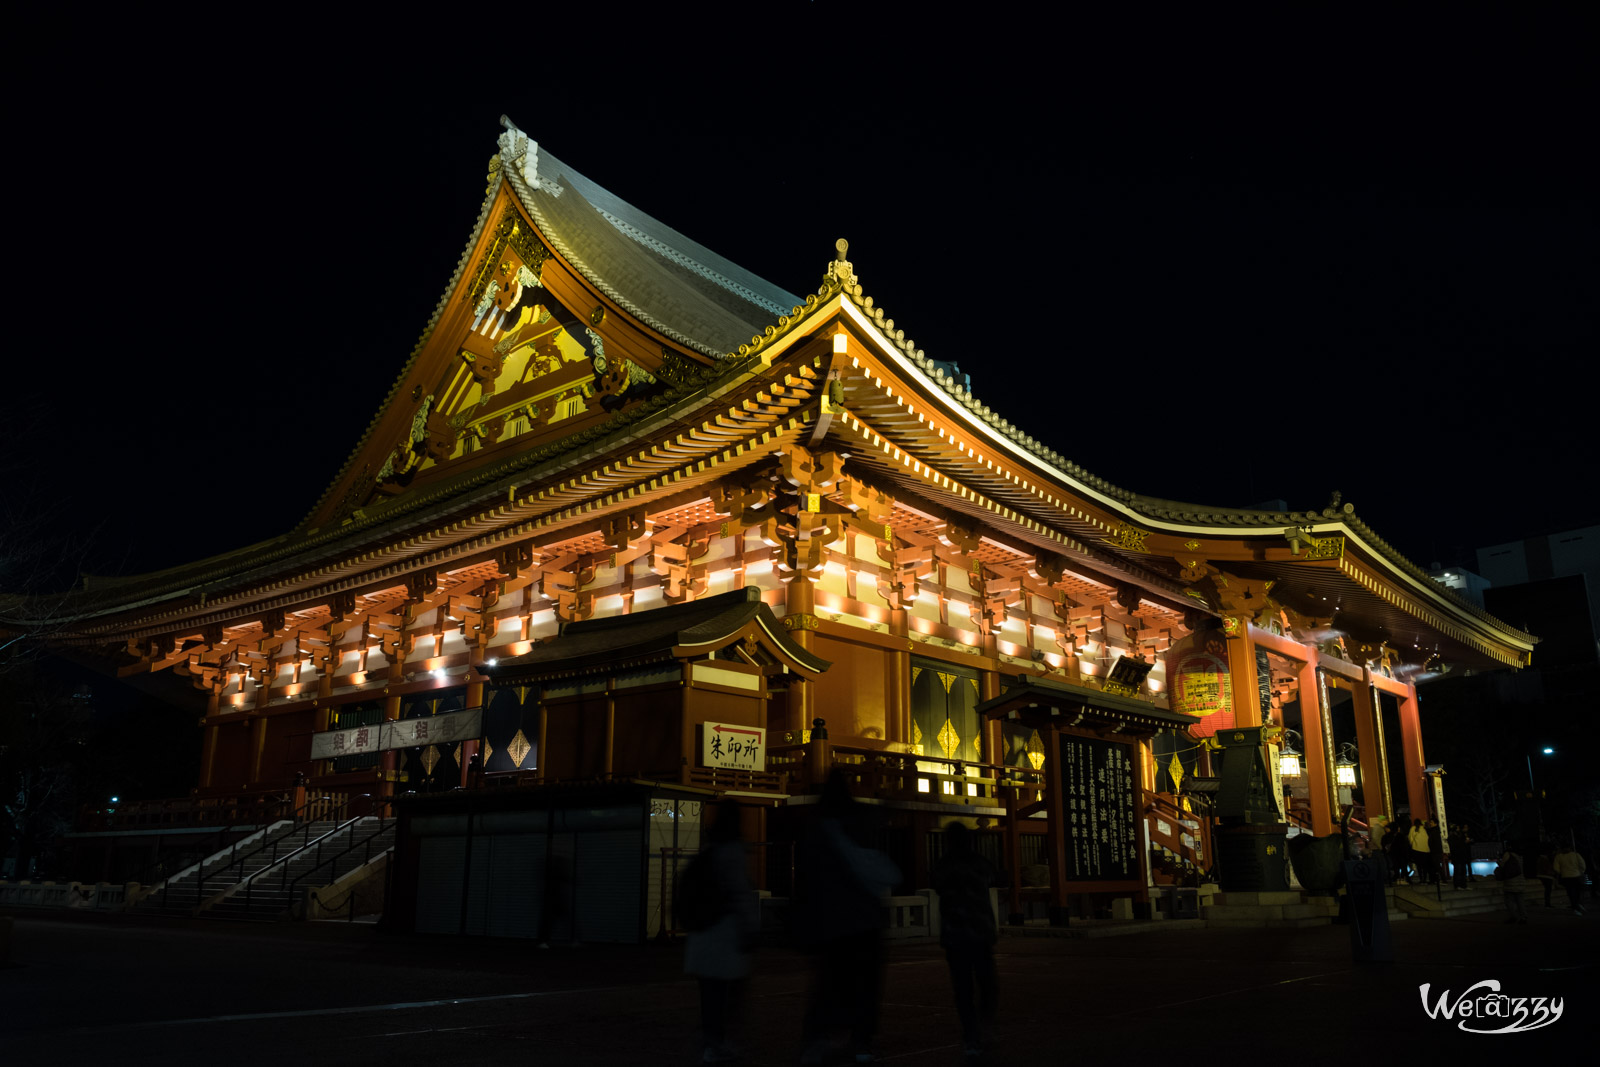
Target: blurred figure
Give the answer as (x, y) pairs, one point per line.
(1436, 852)
(841, 889)
(1569, 869)
(963, 878)
(1509, 875)
(1547, 873)
(1417, 838)
(1460, 855)
(719, 908)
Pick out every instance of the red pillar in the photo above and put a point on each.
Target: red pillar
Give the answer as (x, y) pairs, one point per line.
(1369, 741)
(1318, 733)
(1411, 751)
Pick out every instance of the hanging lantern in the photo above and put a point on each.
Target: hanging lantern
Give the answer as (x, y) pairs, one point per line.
(1345, 773)
(1289, 765)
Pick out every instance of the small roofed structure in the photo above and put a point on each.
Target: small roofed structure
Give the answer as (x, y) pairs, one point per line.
(676, 694)
(1099, 792)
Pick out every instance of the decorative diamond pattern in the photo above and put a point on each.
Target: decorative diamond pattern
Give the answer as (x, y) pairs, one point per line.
(488, 751)
(430, 758)
(948, 739)
(1036, 750)
(1175, 768)
(518, 749)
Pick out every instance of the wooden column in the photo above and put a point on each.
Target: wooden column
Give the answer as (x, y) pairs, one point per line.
(1317, 730)
(897, 681)
(473, 747)
(1055, 803)
(544, 722)
(988, 689)
(1242, 677)
(1369, 740)
(1411, 752)
(208, 762)
(1014, 912)
(258, 746)
(609, 757)
(388, 759)
(800, 605)
(686, 724)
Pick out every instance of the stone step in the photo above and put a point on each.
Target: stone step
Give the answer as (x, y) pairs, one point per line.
(1286, 896)
(1263, 924)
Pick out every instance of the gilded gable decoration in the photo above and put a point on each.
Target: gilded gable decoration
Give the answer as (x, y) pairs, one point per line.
(1128, 536)
(519, 150)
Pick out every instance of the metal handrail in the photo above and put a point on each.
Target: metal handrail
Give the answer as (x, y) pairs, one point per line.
(209, 846)
(384, 824)
(305, 827)
(249, 883)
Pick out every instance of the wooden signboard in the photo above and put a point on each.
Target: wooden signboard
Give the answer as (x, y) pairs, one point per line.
(1098, 784)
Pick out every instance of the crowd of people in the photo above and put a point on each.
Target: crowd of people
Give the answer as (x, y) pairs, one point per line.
(837, 914)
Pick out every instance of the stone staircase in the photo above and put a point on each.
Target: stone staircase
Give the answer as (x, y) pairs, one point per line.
(275, 890)
(265, 876)
(187, 890)
(1446, 902)
(1284, 909)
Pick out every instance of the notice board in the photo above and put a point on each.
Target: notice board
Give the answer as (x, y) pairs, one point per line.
(1098, 783)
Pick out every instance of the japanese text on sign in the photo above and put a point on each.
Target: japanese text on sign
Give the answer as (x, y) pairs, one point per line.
(1101, 825)
(735, 747)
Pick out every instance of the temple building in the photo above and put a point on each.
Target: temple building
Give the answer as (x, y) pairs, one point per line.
(635, 529)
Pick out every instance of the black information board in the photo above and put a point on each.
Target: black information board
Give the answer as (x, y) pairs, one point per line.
(1098, 781)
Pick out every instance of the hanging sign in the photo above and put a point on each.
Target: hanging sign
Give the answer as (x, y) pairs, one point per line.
(402, 733)
(735, 747)
(1101, 829)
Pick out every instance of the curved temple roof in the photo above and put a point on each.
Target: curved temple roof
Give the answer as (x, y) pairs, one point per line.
(712, 306)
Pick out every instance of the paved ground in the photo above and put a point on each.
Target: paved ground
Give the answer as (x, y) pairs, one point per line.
(100, 988)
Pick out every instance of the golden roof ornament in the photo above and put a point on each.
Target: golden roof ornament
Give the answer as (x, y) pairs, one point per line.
(840, 272)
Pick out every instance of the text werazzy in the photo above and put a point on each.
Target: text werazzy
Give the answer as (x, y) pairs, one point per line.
(1483, 1009)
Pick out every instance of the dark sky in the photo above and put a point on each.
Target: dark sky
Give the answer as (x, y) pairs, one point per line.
(1211, 262)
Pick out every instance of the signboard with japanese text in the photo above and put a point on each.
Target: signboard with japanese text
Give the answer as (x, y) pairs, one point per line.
(734, 747)
(403, 733)
(1099, 782)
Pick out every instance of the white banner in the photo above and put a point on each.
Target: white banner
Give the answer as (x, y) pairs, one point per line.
(739, 748)
(402, 733)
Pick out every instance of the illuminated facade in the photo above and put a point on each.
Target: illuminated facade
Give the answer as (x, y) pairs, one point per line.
(603, 419)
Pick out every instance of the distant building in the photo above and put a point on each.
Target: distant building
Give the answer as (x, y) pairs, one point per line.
(1462, 582)
(1557, 555)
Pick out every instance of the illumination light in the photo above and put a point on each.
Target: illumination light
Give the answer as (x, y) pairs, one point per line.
(1549, 751)
(1289, 765)
(923, 786)
(492, 662)
(1345, 774)
(440, 673)
(950, 787)
(972, 789)
(115, 799)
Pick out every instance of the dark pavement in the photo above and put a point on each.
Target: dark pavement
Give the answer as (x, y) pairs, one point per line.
(103, 988)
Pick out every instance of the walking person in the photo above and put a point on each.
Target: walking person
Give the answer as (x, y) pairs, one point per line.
(1509, 874)
(1569, 869)
(717, 905)
(1547, 873)
(1391, 849)
(1417, 842)
(1460, 854)
(963, 878)
(840, 891)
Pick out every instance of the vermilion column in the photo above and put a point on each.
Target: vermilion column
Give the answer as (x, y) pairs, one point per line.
(1242, 677)
(1411, 752)
(1369, 740)
(1318, 734)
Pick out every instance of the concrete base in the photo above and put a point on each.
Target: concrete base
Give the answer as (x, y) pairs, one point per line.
(1275, 909)
(1447, 902)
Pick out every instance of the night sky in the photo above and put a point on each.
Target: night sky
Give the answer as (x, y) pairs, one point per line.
(1214, 263)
